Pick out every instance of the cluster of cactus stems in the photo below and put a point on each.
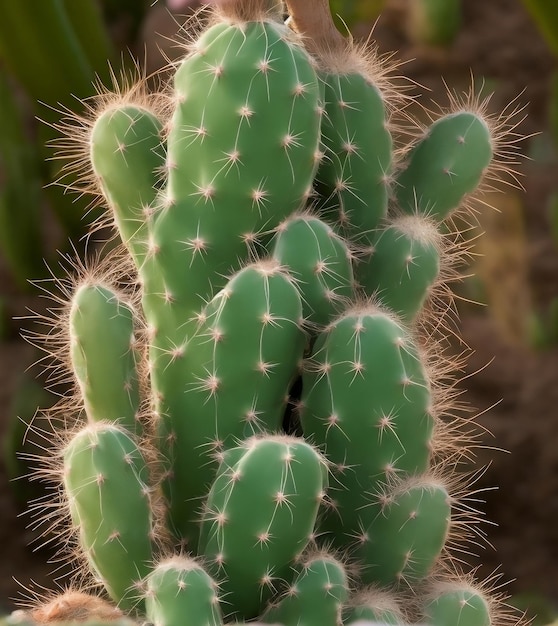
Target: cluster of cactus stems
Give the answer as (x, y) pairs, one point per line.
(263, 427)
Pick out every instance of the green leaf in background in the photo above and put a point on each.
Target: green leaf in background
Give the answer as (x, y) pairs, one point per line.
(553, 107)
(433, 22)
(545, 14)
(52, 51)
(20, 191)
(355, 12)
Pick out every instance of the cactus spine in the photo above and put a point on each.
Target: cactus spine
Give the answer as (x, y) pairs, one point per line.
(265, 248)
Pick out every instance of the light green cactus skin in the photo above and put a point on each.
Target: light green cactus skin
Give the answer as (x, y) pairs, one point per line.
(104, 355)
(366, 403)
(404, 266)
(353, 177)
(320, 263)
(456, 606)
(315, 598)
(127, 156)
(445, 165)
(247, 105)
(180, 593)
(241, 364)
(260, 514)
(105, 479)
(405, 535)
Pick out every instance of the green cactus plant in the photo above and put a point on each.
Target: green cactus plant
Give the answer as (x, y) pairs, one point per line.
(179, 591)
(241, 282)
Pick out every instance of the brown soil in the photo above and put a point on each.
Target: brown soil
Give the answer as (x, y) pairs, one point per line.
(498, 42)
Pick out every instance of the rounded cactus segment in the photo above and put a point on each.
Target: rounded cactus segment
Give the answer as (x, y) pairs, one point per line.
(234, 380)
(180, 593)
(406, 533)
(320, 262)
(105, 481)
(246, 107)
(354, 174)
(366, 402)
(374, 605)
(445, 165)
(404, 266)
(315, 597)
(455, 604)
(104, 355)
(259, 515)
(128, 156)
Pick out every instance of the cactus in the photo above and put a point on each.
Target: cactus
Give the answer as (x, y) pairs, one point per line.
(264, 501)
(189, 502)
(457, 604)
(179, 591)
(315, 597)
(104, 356)
(105, 480)
(445, 165)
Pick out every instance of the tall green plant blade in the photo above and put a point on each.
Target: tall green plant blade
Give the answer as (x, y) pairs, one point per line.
(20, 192)
(87, 22)
(545, 14)
(39, 45)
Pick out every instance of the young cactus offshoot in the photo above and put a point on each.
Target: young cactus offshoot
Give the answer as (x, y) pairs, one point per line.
(272, 235)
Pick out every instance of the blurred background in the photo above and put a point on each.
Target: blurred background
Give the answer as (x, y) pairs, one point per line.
(51, 51)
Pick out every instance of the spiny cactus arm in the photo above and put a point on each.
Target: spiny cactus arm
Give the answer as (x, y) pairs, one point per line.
(104, 355)
(445, 165)
(355, 173)
(178, 592)
(259, 516)
(128, 157)
(315, 597)
(457, 603)
(320, 263)
(406, 534)
(405, 264)
(366, 402)
(110, 506)
(231, 382)
(246, 106)
(354, 176)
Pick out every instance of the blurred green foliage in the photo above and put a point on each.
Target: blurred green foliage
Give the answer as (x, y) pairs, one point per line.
(545, 14)
(355, 12)
(544, 326)
(433, 22)
(51, 53)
